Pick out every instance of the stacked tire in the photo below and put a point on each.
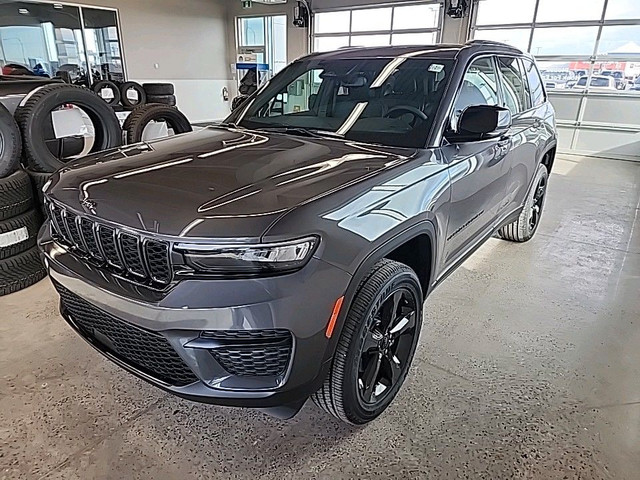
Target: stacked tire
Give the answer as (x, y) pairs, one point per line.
(125, 95)
(163, 93)
(20, 264)
(138, 120)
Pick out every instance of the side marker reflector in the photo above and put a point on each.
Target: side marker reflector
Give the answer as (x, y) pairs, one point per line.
(334, 317)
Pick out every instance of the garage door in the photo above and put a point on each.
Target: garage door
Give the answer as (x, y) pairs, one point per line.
(400, 23)
(589, 56)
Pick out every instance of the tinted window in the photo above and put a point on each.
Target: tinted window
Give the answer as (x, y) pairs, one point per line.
(535, 83)
(391, 101)
(479, 87)
(514, 86)
(600, 82)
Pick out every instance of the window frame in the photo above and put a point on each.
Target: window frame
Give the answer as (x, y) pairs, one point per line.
(523, 79)
(448, 121)
(83, 29)
(351, 34)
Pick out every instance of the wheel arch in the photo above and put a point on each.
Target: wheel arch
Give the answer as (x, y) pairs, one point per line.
(391, 249)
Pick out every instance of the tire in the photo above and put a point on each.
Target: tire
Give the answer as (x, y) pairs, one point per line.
(126, 88)
(159, 88)
(38, 179)
(10, 143)
(31, 221)
(21, 271)
(33, 117)
(140, 117)
(164, 99)
(341, 394)
(16, 195)
(525, 227)
(101, 86)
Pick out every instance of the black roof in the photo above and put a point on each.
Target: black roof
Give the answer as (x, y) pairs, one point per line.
(441, 50)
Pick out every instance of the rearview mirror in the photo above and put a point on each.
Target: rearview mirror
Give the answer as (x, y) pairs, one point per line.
(480, 122)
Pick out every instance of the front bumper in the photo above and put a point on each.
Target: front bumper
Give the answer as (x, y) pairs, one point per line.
(193, 313)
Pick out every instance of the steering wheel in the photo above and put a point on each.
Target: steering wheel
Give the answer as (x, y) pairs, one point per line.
(416, 112)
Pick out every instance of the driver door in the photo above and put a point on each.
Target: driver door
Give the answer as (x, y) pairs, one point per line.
(478, 169)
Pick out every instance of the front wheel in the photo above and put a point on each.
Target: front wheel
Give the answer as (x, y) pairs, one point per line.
(527, 223)
(376, 346)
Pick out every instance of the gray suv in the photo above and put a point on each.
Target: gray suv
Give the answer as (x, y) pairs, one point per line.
(286, 253)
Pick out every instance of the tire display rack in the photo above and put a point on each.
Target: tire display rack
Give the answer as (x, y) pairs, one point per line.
(31, 150)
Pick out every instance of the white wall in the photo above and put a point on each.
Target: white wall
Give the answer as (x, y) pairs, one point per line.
(187, 39)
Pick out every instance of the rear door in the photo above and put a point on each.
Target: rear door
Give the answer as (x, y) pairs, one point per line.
(478, 170)
(515, 95)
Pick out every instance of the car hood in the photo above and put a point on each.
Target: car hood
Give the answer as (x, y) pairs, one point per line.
(215, 182)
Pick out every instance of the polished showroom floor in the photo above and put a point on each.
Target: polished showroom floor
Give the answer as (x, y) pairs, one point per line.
(528, 367)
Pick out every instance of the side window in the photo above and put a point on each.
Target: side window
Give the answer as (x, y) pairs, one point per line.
(535, 83)
(514, 85)
(298, 97)
(479, 87)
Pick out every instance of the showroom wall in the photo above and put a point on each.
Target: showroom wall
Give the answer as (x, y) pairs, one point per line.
(188, 42)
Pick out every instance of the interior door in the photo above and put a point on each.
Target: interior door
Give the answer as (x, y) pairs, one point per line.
(478, 170)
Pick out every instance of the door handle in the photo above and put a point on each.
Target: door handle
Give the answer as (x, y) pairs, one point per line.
(504, 141)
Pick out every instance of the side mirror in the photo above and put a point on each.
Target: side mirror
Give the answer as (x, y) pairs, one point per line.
(480, 122)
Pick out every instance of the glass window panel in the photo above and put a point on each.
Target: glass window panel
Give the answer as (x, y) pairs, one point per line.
(622, 9)
(620, 40)
(332, 22)
(39, 39)
(252, 32)
(562, 75)
(624, 71)
(416, 16)
(103, 45)
(517, 37)
(371, 19)
(564, 41)
(502, 12)
(369, 40)
(515, 91)
(325, 44)
(569, 10)
(427, 38)
(535, 82)
(479, 87)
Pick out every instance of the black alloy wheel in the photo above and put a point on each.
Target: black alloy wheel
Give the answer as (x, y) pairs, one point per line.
(524, 228)
(538, 203)
(387, 347)
(376, 345)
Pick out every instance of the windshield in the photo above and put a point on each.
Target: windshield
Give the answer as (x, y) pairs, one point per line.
(391, 101)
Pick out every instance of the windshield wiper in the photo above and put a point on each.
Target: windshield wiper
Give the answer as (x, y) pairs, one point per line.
(307, 132)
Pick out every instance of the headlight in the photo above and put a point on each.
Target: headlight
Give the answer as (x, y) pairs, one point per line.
(249, 259)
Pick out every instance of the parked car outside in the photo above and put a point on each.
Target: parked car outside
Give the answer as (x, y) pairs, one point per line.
(599, 83)
(287, 253)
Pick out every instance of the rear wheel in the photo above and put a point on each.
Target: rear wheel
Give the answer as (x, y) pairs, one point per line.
(376, 346)
(527, 223)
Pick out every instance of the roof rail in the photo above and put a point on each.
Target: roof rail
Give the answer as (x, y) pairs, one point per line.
(492, 42)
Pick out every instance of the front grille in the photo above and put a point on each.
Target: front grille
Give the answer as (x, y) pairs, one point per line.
(146, 351)
(145, 260)
(252, 352)
(132, 254)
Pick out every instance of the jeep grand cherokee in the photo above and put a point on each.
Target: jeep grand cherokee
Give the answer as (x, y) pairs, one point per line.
(286, 253)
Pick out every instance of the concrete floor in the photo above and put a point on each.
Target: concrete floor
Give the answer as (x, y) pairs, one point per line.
(528, 367)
